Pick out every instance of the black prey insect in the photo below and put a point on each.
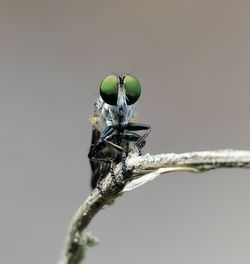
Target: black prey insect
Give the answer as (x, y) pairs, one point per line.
(113, 129)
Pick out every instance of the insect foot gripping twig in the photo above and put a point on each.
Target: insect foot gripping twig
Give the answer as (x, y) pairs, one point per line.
(139, 170)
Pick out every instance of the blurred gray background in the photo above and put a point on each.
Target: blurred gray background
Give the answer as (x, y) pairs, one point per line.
(192, 58)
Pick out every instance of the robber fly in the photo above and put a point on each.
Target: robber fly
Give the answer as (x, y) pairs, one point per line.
(113, 131)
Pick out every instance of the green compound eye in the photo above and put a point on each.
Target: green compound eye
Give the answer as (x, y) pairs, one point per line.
(133, 89)
(109, 89)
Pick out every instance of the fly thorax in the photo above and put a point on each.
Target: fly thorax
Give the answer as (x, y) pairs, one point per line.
(115, 115)
(107, 115)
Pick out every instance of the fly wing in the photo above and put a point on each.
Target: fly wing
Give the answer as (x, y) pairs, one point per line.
(99, 168)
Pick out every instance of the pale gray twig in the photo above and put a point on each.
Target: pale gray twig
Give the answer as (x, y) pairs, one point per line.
(139, 170)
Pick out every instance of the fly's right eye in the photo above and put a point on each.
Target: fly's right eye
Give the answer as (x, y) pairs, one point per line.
(133, 89)
(109, 89)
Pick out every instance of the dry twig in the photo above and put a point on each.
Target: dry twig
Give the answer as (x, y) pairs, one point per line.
(139, 170)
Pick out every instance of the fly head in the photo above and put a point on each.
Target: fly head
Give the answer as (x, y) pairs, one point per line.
(119, 93)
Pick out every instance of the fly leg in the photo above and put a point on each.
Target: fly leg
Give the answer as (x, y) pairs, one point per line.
(124, 158)
(131, 136)
(128, 136)
(140, 142)
(105, 136)
(102, 141)
(99, 172)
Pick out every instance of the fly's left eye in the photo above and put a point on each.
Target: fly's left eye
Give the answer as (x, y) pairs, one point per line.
(109, 89)
(133, 89)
